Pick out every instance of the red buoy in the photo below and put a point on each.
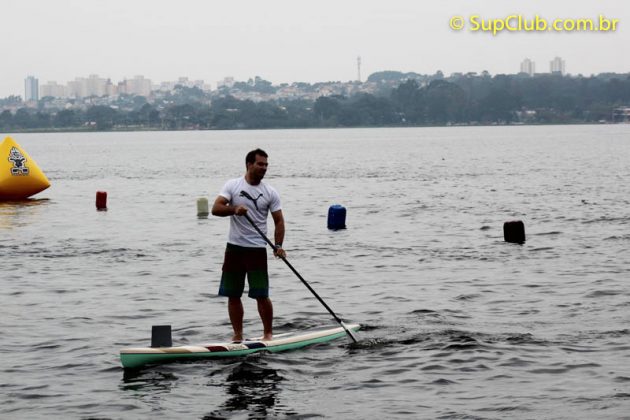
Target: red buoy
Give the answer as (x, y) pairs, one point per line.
(101, 200)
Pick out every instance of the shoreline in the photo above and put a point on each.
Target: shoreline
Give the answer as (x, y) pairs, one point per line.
(149, 129)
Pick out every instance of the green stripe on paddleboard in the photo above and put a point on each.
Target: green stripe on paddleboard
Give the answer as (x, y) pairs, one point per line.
(134, 360)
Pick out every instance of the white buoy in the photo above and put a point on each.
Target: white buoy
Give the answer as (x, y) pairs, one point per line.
(202, 207)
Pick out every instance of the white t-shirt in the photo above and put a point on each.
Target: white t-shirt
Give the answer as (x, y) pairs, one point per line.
(264, 199)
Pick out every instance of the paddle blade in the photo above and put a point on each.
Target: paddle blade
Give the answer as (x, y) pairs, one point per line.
(349, 332)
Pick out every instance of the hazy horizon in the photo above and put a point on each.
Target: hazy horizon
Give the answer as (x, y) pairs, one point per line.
(285, 41)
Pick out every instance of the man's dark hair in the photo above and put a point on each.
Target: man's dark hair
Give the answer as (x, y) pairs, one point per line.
(251, 156)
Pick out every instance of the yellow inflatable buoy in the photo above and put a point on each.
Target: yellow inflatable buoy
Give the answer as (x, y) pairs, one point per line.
(20, 177)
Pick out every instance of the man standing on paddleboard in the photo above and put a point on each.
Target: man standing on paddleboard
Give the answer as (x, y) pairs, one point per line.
(246, 251)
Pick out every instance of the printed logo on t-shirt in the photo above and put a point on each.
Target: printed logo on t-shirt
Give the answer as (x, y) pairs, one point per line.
(252, 199)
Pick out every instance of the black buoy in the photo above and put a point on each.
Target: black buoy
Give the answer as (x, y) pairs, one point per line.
(514, 231)
(336, 217)
(161, 336)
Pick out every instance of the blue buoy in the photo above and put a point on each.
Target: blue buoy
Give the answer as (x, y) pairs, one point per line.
(336, 217)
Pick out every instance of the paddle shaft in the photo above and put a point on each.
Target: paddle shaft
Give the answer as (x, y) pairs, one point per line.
(308, 286)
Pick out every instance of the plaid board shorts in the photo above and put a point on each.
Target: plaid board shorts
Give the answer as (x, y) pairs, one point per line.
(239, 261)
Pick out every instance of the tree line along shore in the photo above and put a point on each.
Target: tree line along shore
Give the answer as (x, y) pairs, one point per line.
(400, 100)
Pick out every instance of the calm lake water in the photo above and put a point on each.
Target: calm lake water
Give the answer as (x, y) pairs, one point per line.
(457, 322)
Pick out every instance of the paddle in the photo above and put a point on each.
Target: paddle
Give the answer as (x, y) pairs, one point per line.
(308, 286)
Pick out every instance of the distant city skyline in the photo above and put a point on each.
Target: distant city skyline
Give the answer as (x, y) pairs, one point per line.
(94, 85)
(285, 42)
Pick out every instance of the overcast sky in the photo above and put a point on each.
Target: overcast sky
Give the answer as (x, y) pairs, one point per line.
(290, 40)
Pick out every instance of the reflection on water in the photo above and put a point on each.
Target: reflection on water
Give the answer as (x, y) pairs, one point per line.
(18, 212)
(147, 381)
(252, 388)
(22, 203)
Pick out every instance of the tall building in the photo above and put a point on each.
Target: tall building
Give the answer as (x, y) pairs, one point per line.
(528, 67)
(110, 88)
(31, 89)
(53, 89)
(96, 86)
(93, 85)
(73, 89)
(227, 82)
(138, 86)
(556, 66)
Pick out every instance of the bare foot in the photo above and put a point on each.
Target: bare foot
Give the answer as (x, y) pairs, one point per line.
(267, 337)
(237, 338)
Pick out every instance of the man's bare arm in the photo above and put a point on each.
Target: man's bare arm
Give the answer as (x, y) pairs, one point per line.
(222, 208)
